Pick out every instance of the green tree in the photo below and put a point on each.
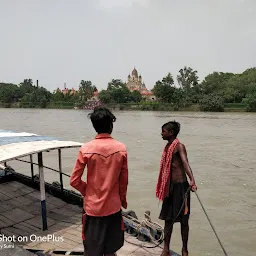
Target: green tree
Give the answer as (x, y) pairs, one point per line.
(39, 97)
(196, 93)
(245, 83)
(119, 92)
(164, 89)
(105, 96)
(86, 89)
(135, 96)
(9, 93)
(231, 94)
(26, 87)
(187, 78)
(215, 82)
(168, 80)
(178, 98)
(212, 103)
(250, 102)
(57, 96)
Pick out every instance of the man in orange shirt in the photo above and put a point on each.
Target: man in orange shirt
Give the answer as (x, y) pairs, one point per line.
(106, 187)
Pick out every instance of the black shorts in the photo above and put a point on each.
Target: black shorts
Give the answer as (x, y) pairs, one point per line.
(176, 207)
(103, 235)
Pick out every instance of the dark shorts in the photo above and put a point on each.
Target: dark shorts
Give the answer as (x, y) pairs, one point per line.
(173, 203)
(103, 235)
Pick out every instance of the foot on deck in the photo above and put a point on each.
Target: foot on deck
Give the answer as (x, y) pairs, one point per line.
(184, 252)
(165, 253)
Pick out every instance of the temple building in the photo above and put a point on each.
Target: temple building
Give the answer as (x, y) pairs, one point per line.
(135, 83)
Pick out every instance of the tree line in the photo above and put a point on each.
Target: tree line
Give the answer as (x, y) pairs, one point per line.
(212, 93)
(26, 94)
(216, 90)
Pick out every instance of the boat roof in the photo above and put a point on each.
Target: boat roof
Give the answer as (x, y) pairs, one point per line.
(14, 145)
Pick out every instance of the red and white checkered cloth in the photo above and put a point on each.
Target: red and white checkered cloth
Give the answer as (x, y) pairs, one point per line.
(162, 187)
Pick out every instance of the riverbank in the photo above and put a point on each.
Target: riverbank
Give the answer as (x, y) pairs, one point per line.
(145, 106)
(171, 107)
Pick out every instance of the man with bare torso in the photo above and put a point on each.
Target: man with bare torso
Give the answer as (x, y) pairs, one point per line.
(173, 188)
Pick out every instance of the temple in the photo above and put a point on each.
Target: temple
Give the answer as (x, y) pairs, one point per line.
(135, 83)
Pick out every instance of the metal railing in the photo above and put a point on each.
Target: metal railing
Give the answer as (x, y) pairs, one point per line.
(31, 162)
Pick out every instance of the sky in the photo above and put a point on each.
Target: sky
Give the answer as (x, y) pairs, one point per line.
(66, 41)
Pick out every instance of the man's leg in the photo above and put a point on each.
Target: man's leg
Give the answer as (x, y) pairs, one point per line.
(184, 235)
(168, 227)
(94, 235)
(85, 249)
(114, 237)
(185, 227)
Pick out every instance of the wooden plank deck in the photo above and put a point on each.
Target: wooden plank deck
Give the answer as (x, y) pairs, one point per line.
(20, 216)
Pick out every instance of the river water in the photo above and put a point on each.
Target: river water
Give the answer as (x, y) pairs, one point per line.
(221, 149)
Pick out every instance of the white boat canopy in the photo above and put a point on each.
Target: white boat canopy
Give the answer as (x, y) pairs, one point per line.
(14, 145)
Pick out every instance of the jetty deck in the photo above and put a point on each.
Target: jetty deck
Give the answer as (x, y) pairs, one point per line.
(20, 216)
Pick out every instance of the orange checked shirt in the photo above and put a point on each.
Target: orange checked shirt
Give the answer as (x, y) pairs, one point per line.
(107, 175)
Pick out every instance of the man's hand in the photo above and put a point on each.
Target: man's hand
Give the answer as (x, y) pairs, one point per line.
(193, 186)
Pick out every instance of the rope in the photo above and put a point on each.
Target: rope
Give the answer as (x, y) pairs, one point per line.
(147, 223)
(224, 251)
(159, 242)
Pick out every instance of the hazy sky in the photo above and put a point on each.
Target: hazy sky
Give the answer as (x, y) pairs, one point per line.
(57, 41)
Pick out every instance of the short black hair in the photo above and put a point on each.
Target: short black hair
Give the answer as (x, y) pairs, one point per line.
(173, 127)
(102, 119)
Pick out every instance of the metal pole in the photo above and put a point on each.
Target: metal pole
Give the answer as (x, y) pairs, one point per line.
(32, 167)
(60, 170)
(42, 190)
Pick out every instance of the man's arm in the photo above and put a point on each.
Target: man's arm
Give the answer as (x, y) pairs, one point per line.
(184, 159)
(123, 181)
(75, 179)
